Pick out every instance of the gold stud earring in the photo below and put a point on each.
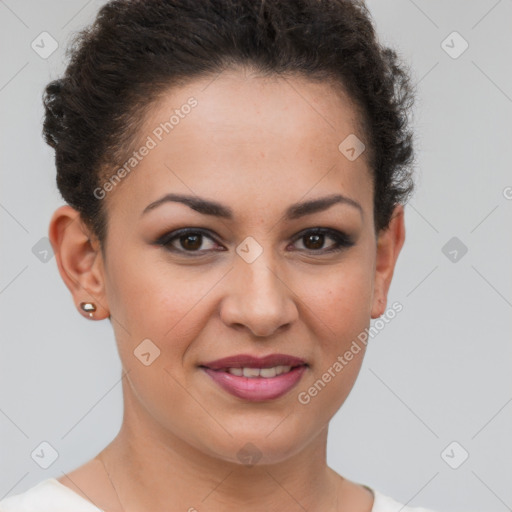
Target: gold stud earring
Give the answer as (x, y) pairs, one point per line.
(88, 307)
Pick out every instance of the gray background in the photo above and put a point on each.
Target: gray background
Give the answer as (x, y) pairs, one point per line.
(439, 372)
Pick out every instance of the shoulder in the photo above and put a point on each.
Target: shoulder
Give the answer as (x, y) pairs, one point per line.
(384, 503)
(47, 496)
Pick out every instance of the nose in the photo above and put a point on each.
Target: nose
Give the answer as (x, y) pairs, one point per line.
(258, 298)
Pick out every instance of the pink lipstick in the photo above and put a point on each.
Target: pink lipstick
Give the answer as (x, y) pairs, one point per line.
(254, 378)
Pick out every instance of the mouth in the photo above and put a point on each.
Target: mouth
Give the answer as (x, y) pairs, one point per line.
(248, 361)
(251, 373)
(256, 379)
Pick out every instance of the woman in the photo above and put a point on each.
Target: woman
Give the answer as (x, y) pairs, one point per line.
(235, 174)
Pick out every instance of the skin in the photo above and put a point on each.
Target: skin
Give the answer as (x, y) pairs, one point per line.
(256, 145)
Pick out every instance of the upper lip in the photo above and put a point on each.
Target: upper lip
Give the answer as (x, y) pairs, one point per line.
(248, 361)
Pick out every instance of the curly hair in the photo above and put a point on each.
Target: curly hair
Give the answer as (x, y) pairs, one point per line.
(135, 50)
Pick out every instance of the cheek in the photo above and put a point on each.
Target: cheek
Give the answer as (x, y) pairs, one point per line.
(159, 301)
(340, 310)
(151, 303)
(340, 300)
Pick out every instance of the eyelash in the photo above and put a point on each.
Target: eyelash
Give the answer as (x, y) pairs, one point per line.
(342, 241)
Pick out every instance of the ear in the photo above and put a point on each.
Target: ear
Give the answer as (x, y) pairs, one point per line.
(79, 260)
(389, 244)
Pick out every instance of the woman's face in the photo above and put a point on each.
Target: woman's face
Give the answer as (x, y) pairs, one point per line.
(256, 282)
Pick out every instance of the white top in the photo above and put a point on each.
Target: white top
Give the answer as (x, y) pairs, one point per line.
(52, 496)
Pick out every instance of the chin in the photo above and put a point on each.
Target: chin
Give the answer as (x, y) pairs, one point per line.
(257, 447)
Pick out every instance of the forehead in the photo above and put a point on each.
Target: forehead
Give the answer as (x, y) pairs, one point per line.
(239, 135)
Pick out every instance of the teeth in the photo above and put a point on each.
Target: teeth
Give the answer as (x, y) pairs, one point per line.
(268, 372)
(251, 372)
(259, 372)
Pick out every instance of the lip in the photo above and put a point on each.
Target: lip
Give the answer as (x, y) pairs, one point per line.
(248, 361)
(256, 389)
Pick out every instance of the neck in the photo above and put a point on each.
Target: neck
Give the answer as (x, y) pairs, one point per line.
(153, 469)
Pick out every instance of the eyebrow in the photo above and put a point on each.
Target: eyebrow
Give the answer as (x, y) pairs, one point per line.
(295, 211)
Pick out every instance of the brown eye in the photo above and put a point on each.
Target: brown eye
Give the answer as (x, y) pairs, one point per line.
(191, 242)
(188, 241)
(314, 239)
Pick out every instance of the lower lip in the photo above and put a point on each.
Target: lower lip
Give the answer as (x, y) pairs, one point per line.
(257, 389)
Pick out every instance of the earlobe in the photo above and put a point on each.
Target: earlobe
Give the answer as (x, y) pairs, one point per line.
(79, 261)
(389, 244)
